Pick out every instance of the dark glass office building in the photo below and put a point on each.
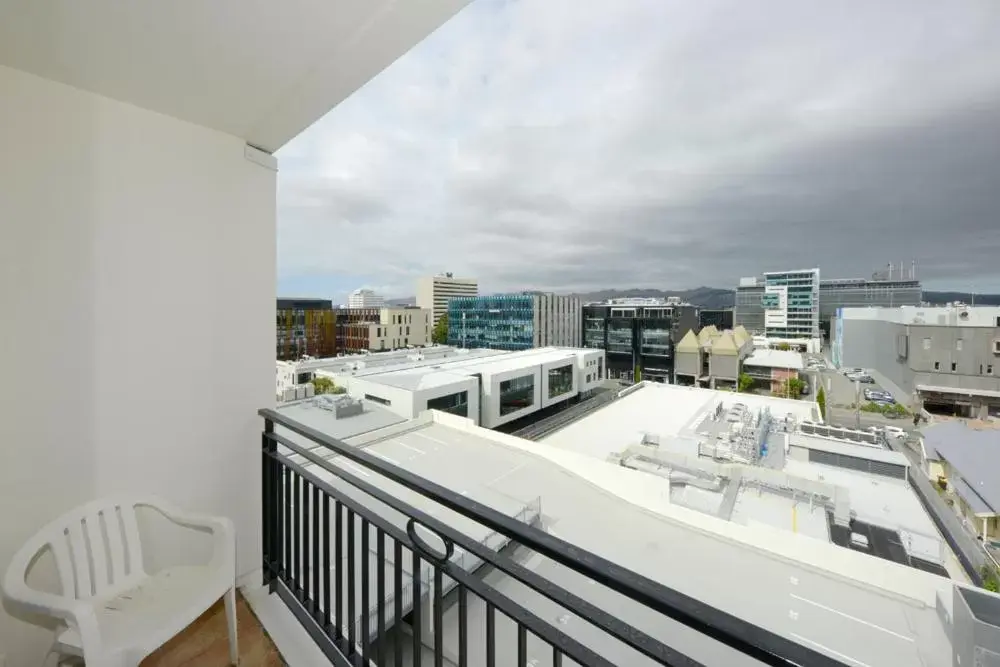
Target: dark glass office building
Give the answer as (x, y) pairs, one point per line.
(638, 339)
(721, 318)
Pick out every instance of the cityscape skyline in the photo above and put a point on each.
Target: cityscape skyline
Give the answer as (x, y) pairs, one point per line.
(675, 144)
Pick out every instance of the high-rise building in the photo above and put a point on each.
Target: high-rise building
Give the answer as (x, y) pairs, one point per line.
(514, 321)
(380, 329)
(433, 292)
(305, 327)
(638, 335)
(365, 298)
(893, 287)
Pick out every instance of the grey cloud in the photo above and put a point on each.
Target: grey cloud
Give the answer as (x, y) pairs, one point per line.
(535, 144)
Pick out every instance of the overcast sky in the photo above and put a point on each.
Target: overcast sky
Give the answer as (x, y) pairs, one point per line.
(568, 146)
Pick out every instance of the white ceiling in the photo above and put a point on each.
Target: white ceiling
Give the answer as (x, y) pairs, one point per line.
(262, 70)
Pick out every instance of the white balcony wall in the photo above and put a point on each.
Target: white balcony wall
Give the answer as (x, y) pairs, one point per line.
(138, 262)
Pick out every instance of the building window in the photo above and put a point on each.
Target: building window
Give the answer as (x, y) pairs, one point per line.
(588, 378)
(927, 343)
(456, 404)
(937, 365)
(958, 345)
(989, 369)
(560, 381)
(517, 394)
(954, 366)
(378, 399)
(600, 368)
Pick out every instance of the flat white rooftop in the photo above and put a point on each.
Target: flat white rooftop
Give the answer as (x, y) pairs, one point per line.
(954, 315)
(440, 371)
(672, 432)
(775, 359)
(860, 610)
(663, 410)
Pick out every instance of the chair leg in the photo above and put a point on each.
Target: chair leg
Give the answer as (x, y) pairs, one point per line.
(234, 653)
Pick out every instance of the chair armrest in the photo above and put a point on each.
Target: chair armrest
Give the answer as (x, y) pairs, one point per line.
(223, 531)
(46, 604)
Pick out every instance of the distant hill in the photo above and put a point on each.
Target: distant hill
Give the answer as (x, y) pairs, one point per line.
(964, 297)
(704, 297)
(714, 297)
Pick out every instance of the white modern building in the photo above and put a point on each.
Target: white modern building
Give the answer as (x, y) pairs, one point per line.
(488, 386)
(365, 298)
(433, 292)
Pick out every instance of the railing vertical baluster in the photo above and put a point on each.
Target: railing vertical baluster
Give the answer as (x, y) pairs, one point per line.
(463, 626)
(351, 615)
(339, 567)
(365, 598)
(380, 656)
(556, 657)
(491, 636)
(297, 534)
(327, 572)
(304, 568)
(522, 646)
(267, 502)
(286, 562)
(317, 569)
(415, 614)
(277, 524)
(397, 594)
(438, 611)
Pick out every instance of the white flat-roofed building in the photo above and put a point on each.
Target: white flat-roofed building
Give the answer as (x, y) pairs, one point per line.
(757, 460)
(365, 298)
(854, 608)
(490, 387)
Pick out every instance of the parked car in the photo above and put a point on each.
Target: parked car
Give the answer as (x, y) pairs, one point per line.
(865, 379)
(895, 431)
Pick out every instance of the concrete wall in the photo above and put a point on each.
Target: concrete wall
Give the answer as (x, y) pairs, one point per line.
(401, 401)
(588, 363)
(687, 363)
(972, 361)
(137, 251)
(870, 343)
(558, 321)
(873, 344)
(726, 366)
(975, 636)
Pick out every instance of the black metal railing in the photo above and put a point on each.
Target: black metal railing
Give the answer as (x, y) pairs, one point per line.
(373, 578)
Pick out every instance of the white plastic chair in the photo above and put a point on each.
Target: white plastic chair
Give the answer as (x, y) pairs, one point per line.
(113, 613)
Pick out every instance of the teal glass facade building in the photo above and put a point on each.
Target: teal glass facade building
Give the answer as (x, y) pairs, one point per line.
(501, 322)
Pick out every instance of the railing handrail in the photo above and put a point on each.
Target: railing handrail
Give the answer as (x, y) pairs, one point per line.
(759, 643)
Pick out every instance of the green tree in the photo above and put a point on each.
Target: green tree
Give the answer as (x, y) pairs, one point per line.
(990, 581)
(783, 346)
(821, 400)
(440, 333)
(744, 383)
(325, 385)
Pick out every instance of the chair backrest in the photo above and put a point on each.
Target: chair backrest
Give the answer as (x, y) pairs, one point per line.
(96, 548)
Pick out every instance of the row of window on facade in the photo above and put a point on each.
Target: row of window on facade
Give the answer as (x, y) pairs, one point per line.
(984, 369)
